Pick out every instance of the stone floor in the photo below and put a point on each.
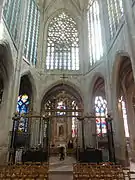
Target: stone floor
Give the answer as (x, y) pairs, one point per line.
(61, 170)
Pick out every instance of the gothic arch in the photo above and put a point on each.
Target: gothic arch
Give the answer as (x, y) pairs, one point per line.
(123, 88)
(121, 64)
(26, 87)
(75, 17)
(65, 98)
(58, 11)
(6, 67)
(60, 82)
(93, 81)
(98, 88)
(31, 79)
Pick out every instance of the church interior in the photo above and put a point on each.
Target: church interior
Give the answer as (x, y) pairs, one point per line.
(67, 92)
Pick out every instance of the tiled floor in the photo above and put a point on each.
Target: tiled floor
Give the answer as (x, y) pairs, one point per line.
(61, 170)
(57, 165)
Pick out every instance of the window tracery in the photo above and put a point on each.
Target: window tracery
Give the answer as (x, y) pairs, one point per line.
(62, 43)
(115, 15)
(31, 32)
(94, 32)
(100, 110)
(63, 105)
(12, 16)
(23, 108)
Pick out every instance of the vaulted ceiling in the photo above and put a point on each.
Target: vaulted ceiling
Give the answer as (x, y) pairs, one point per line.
(80, 3)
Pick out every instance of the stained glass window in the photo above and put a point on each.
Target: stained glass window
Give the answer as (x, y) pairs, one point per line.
(94, 33)
(61, 106)
(22, 108)
(115, 15)
(12, 17)
(124, 113)
(100, 110)
(62, 43)
(31, 32)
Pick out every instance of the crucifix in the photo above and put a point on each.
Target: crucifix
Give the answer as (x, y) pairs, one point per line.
(63, 77)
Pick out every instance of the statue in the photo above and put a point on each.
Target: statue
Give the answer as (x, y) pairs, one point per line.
(61, 130)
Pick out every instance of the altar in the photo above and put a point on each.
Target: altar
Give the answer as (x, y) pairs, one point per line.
(61, 131)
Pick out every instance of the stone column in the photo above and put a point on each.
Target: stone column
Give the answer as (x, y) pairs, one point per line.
(131, 124)
(41, 42)
(35, 123)
(130, 26)
(84, 43)
(90, 132)
(18, 62)
(120, 141)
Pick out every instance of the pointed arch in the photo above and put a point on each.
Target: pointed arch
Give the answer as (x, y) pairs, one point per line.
(62, 50)
(93, 81)
(31, 79)
(123, 89)
(99, 106)
(6, 69)
(63, 104)
(67, 84)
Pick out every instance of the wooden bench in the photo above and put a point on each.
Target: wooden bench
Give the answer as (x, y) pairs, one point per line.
(100, 172)
(24, 172)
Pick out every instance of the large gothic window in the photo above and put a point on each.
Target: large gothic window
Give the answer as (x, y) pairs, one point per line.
(31, 32)
(115, 14)
(100, 111)
(62, 43)
(23, 108)
(12, 16)
(94, 33)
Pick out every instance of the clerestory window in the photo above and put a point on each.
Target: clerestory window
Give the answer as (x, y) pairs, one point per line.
(94, 33)
(62, 43)
(115, 15)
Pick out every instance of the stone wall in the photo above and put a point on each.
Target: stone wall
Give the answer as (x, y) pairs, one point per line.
(83, 81)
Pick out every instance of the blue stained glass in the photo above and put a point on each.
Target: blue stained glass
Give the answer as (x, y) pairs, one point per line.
(22, 108)
(20, 102)
(27, 103)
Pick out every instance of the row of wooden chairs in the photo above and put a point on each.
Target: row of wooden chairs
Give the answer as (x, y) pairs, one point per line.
(24, 172)
(100, 172)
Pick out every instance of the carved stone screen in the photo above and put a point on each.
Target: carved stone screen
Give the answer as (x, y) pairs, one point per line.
(63, 108)
(62, 43)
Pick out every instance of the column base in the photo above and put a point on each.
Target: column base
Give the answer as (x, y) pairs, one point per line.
(124, 163)
(3, 155)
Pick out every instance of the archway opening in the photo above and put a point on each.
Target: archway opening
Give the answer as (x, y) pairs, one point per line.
(100, 110)
(24, 106)
(63, 105)
(125, 96)
(6, 69)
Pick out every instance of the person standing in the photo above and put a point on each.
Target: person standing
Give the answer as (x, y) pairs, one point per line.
(62, 153)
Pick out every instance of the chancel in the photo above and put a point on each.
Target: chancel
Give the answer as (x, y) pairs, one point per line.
(67, 90)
